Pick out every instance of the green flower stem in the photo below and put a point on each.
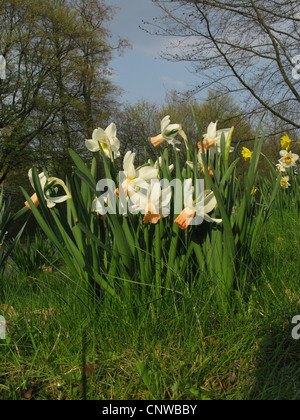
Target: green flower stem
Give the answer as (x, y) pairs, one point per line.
(157, 256)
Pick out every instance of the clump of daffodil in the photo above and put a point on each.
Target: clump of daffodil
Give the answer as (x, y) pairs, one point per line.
(246, 153)
(286, 142)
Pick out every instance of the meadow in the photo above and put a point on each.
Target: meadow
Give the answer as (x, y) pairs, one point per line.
(148, 307)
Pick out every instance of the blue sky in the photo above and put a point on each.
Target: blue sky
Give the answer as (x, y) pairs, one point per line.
(140, 71)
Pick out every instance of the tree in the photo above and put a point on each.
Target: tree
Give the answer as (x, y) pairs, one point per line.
(136, 124)
(246, 48)
(57, 87)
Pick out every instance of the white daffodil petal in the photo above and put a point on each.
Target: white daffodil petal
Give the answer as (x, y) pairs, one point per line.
(128, 165)
(170, 128)
(50, 204)
(139, 199)
(111, 131)
(99, 135)
(42, 178)
(92, 146)
(57, 200)
(165, 123)
(211, 220)
(166, 195)
(147, 173)
(226, 131)
(188, 193)
(115, 146)
(212, 130)
(210, 202)
(141, 183)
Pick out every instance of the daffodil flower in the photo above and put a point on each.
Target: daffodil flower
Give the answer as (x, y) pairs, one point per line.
(136, 178)
(45, 184)
(168, 133)
(212, 139)
(246, 153)
(108, 140)
(288, 159)
(202, 208)
(281, 168)
(153, 204)
(285, 182)
(286, 142)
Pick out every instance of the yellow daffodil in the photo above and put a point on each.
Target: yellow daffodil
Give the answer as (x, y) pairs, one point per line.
(246, 153)
(286, 142)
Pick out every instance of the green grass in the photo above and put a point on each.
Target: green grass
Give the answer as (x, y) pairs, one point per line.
(61, 346)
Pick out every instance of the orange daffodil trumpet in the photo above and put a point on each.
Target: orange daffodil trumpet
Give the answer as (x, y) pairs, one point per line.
(45, 186)
(107, 139)
(206, 204)
(168, 133)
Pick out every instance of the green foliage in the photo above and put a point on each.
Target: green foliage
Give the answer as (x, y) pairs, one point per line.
(7, 218)
(178, 348)
(33, 257)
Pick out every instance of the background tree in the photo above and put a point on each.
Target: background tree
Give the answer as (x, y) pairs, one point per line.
(244, 48)
(57, 87)
(136, 124)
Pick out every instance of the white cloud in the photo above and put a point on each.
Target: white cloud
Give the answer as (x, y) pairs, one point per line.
(169, 81)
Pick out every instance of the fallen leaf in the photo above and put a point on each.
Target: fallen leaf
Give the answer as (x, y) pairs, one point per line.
(89, 368)
(27, 394)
